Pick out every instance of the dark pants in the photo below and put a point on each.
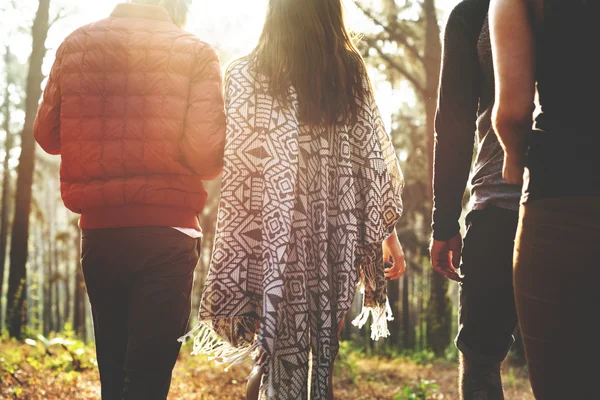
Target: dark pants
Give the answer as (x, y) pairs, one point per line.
(487, 314)
(557, 270)
(139, 281)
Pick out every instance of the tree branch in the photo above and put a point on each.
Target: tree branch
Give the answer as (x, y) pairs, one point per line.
(400, 38)
(403, 71)
(62, 13)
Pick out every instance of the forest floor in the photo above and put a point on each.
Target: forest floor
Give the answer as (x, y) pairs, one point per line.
(66, 371)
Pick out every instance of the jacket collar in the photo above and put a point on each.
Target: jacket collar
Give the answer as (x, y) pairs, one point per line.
(132, 10)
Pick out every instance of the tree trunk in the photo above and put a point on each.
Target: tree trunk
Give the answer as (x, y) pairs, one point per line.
(421, 343)
(439, 311)
(4, 214)
(406, 328)
(20, 230)
(47, 260)
(390, 9)
(56, 279)
(79, 293)
(67, 285)
(394, 325)
(46, 316)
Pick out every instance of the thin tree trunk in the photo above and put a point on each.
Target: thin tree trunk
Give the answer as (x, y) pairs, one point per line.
(414, 302)
(47, 283)
(406, 328)
(394, 325)
(439, 313)
(56, 280)
(419, 316)
(40, 278)
(79, 293)
(8, 145)
(87, 320)
(347, 330)
(67, 282)
(20, 230)
(49, 303)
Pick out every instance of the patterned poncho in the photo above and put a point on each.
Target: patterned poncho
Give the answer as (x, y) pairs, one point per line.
(302, 216)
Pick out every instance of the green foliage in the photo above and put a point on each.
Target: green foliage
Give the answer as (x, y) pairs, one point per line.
(67, 354)
(65, 357)
(422, 390)
(419, 357)
(511, 377)
(346, 362)
(451, 353)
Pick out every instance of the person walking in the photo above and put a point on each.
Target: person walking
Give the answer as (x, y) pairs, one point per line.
(311, 194)
(483, 266)
(549, 44)
(134, 107)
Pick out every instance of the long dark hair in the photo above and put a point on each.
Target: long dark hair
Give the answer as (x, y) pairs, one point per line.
(305, 44)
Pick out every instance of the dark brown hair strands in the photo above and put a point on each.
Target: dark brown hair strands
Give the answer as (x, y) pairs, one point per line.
(305, 45)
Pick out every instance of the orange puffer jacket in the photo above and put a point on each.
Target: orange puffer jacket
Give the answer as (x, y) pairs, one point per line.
(134, 106)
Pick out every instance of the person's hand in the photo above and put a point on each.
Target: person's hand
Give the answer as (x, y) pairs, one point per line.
(392, 252)
(445, 257)
(514, 168)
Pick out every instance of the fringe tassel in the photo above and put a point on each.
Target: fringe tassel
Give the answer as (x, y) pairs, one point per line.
(381, 315)
(207, 342)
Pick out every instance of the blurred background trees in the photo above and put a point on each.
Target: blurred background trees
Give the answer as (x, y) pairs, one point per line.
(41, 285)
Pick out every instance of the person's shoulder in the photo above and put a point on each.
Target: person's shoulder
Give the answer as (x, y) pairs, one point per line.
(201, 48)
(75, 41)
(240, 69)
(468, 10)
(88, 29)
(467, 17)
(239, 65)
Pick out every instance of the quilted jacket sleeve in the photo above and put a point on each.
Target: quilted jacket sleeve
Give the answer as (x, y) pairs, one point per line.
(46, 128)
(203, 141)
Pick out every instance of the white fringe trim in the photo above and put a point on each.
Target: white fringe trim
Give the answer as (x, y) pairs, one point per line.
(207, 342)
(381, 316)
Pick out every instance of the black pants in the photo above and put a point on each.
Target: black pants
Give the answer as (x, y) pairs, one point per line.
(557, 270)
(487, 314)
(139, 281)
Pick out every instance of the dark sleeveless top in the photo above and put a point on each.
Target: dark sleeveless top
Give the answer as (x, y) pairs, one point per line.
(564, 158)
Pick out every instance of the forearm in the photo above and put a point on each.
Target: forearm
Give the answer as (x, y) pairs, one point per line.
(514, 64)
(451, 175)
(512, 129)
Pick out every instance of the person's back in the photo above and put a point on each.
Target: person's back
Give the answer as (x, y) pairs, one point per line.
(567, 69)
(310, 191)
(563, 159)
(134, 107)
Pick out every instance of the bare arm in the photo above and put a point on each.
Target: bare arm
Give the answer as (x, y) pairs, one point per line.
(512, 35)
